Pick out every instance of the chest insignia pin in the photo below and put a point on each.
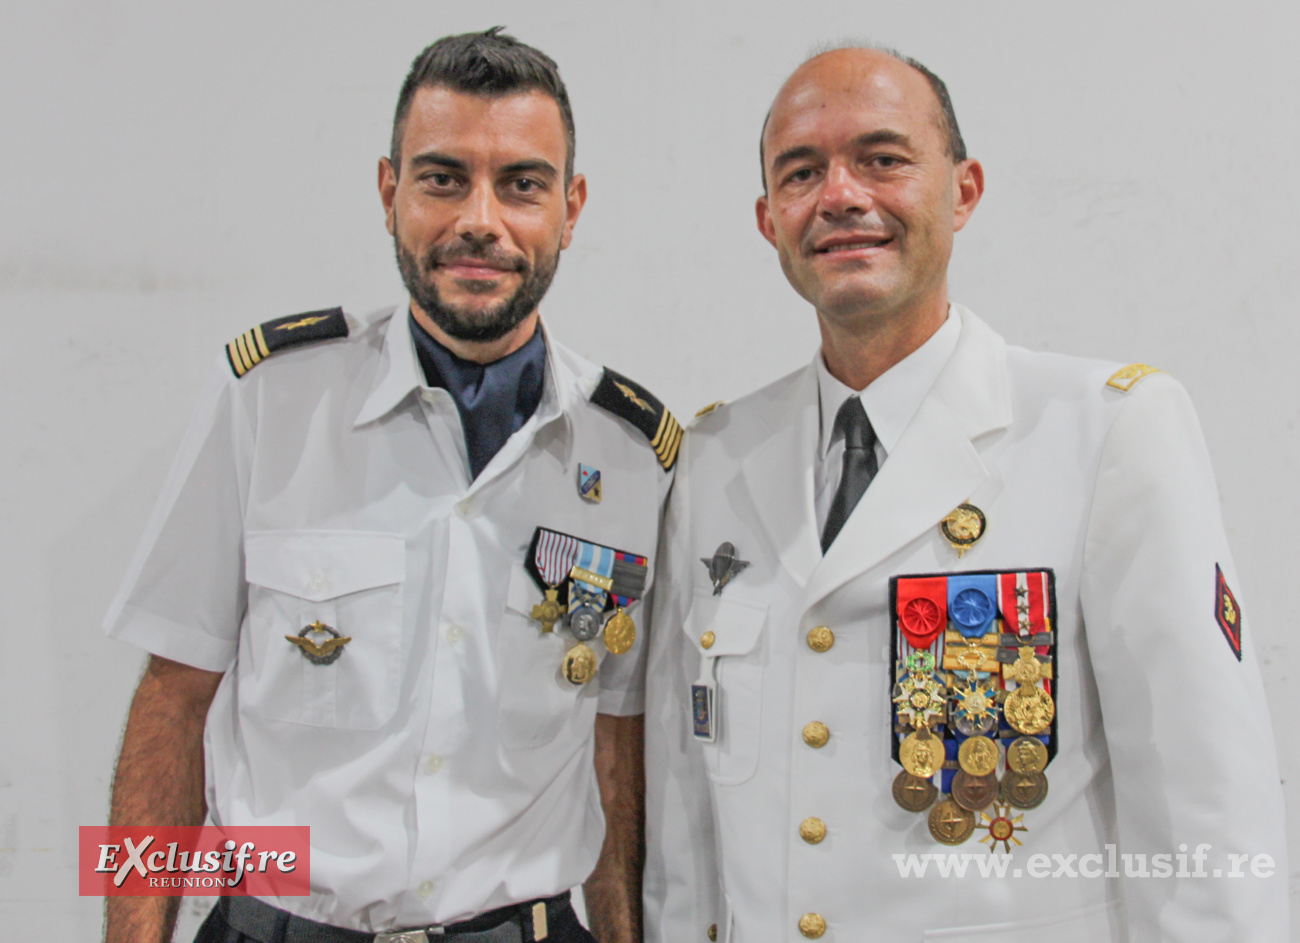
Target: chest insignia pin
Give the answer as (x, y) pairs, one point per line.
(963, 527)
(589, 483)
(724, 565)
(325, 652)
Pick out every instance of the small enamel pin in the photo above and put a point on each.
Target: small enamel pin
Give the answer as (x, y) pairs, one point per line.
(324, 652)
(963, 527)
(724, 565)
(589, 483)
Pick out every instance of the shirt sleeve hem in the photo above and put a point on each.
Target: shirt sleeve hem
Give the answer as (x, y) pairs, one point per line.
(171, 640)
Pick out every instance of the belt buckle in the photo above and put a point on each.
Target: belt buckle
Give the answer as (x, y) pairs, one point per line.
(406, 936)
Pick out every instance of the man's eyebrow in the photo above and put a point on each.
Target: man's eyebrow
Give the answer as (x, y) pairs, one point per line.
(883, 136)
(792, 155)
(535, 165)
(435, 159)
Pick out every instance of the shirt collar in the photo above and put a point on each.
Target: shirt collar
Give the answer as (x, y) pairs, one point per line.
(893, 398)
(399, 374)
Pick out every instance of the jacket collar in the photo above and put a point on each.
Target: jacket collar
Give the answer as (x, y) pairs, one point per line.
(399, 374)
(934, 467)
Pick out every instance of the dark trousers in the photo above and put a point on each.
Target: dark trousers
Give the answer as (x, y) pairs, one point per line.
(564, 928)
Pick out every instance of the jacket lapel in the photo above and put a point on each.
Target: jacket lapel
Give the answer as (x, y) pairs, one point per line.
(782, 488)
(935, 465)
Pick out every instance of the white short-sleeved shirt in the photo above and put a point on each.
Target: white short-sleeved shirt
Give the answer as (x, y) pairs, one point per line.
(443, 764)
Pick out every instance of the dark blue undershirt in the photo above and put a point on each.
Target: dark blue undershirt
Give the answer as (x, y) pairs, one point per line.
(494, 399)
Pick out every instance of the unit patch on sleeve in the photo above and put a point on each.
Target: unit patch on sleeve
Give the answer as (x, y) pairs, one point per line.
(253, 346)
(1227, 612)
(629, 400)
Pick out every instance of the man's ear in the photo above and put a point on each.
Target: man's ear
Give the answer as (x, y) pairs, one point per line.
(574, 200)
(968, 187)
(763, 216)
(387, 191)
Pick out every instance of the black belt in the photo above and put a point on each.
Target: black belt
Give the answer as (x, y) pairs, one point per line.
(516, 923)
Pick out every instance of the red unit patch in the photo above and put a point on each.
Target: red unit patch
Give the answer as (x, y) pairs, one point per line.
(1227, 612)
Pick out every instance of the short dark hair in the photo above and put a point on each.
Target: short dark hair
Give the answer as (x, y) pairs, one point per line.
(954, 145)
(491, 63)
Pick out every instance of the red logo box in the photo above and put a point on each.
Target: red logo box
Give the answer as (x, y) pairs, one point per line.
(138, 861)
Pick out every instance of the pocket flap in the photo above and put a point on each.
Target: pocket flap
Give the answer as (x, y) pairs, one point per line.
(736, 624)
(319, 565)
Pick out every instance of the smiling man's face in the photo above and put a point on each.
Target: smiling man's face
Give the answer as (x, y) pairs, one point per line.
(862, 196)
(481, 209)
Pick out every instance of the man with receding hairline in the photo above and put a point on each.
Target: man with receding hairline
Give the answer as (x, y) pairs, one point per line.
(910, 584)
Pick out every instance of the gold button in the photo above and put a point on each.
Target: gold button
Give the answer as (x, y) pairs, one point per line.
(815, 734)
(713, 932)
(812, 830)
(707, 640)
(821, 639)
(812, 925)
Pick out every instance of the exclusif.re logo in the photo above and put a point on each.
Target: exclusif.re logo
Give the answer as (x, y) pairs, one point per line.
(206, 860)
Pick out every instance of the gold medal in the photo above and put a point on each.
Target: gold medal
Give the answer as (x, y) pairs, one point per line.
(1002, 828)
(620, 633)
(950, 823)
(1027, 755)
(974, 793)
(978, 756)
(921, 756)
(963, 527)
(1029, 709)
(579, 665)
(549, 611)
(1023, 790)
(1027, 669)
(913, 793)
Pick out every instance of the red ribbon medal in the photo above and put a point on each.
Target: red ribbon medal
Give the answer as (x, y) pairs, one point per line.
(922, 607)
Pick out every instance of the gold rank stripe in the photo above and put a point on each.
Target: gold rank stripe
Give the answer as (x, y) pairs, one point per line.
(247, 350)
(667, 439)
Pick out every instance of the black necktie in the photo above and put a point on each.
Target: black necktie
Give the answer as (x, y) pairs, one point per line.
(859, 465)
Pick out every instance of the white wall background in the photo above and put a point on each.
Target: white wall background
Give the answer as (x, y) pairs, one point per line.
(171, 174)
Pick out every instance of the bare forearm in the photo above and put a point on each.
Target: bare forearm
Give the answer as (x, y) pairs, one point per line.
(613, 892)
(159, 781)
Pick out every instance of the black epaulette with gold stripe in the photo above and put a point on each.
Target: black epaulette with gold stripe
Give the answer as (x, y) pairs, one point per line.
(632, 401)
(252, 347)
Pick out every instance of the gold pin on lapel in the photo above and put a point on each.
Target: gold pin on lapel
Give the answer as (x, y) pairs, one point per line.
(963, 527)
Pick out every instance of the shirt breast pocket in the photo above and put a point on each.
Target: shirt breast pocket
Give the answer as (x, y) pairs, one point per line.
(533, 702)
(350, 583)
(727, 632)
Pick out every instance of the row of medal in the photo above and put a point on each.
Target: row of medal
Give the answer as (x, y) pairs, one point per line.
(974, 666)
(581, 582)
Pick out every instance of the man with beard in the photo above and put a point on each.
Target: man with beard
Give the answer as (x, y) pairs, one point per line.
(399, 567)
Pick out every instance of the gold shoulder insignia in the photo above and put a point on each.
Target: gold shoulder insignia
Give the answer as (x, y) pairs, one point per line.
(710, 408)
(631, 394)
(1128, 377)
(632, 402)
(253, 346)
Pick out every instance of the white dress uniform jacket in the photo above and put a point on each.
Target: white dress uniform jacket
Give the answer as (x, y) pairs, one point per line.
(1163, 738)
(444, 766)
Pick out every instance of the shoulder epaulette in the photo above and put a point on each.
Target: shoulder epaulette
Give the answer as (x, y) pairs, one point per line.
(1128, 377)
(252, 347)
(632, 401)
